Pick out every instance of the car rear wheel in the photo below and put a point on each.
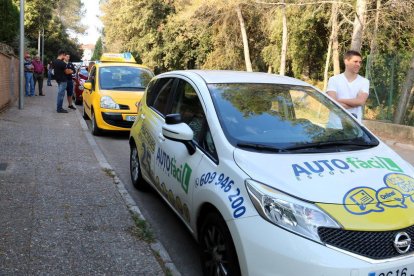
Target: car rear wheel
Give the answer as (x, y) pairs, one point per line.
(84, 115)
(135, 170)
(78, 101)
(95, 129)
(218, 254)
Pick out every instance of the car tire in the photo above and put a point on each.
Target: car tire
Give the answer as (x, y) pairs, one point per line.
(84, 115)
(135, 170)
(95, 129)
(78, 101)
(217, 251)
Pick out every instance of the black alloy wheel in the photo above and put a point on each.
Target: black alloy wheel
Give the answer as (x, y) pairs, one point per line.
(218, 254)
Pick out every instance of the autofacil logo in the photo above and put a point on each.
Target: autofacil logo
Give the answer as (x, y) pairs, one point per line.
(181, 173)
(326, 167)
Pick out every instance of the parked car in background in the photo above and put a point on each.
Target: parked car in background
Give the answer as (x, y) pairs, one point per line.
(79, 79)
(272, 177)
(113, 88)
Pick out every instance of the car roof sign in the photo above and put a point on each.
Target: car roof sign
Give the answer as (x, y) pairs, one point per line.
(117, 57)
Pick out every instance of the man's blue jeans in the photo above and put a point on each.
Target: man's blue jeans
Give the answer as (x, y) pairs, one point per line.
(28, 76)
(61, 94)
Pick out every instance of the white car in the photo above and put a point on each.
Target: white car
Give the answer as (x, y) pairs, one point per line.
(272, 177)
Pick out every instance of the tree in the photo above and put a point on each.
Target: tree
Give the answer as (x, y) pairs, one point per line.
(406, 91)
(9, 27)
(97, 53)
(359, 25)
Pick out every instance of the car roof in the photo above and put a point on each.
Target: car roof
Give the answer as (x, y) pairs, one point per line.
(107, 64)
(228, 76)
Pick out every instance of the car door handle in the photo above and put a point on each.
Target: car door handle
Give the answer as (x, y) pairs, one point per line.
(161, 137)
(142, 116)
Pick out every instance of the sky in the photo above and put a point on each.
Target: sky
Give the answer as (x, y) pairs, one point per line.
(91, 21)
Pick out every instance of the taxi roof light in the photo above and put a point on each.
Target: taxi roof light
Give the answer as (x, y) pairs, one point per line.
(118, 57)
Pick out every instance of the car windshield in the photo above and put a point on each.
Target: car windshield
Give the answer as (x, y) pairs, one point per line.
(124, 78)
(285, 118)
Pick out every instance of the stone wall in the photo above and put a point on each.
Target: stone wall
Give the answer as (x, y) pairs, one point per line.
(9, 77)
(389, 131)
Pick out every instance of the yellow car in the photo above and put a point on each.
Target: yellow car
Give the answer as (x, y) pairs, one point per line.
(113, 88)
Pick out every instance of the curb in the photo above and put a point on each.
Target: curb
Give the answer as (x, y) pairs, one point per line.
(401, 145)
(156, 246)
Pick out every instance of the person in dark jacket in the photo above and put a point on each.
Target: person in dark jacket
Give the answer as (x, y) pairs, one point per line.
(28, 75)
(69, 87)
(59, 67)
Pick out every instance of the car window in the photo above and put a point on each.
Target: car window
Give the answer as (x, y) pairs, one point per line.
(282, 116)
(187, 103)
(124, 78)
(207, 143)
(161, 94)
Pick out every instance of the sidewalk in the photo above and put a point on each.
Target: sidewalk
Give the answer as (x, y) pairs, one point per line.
(60, 212)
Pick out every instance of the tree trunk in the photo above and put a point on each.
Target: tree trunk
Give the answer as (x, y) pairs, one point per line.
(335, 43)
(359, 23)
(373, 46)
(284, 41)
(405, 95)
(328, 58)
(245, 41)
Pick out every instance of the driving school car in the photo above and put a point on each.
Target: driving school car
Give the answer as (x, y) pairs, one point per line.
(272, 177)
(114, 86)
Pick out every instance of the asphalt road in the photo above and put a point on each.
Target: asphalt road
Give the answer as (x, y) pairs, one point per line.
(167, 227)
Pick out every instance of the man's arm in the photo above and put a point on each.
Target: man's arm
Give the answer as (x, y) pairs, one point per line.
(332, 94)
(360, 100)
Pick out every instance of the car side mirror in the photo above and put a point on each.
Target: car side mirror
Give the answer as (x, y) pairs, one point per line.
(88, 85)
(174, 129)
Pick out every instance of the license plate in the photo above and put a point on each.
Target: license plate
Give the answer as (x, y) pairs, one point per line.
(130, 118)
(401, 271)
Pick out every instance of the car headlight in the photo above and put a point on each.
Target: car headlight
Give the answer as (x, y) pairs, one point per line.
(109, 103)
(290, 213)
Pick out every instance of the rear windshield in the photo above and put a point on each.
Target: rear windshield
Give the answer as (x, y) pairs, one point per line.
(124, 78)
(285, 118)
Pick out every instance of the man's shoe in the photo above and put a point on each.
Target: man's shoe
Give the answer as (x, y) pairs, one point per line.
(72, 107)
(41, 94)
(62, 111)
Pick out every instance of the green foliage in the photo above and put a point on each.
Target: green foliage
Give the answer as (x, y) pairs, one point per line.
(9, 18)
(97, 53)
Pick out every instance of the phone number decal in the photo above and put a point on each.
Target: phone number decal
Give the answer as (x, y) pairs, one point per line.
(225, 183)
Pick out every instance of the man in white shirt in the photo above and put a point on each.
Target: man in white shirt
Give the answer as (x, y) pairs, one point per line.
(350, 89)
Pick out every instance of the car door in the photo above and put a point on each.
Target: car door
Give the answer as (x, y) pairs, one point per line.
(175, 166)
(87, 99)
(151, 118)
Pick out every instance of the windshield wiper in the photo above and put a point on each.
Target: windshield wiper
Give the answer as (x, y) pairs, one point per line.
(331, 144)
(259, 147)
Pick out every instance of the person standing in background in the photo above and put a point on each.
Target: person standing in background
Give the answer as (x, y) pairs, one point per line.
(59, 67)
(69, 87)
(350, 89)
(28, 75)
(38, 71)
(49, 73)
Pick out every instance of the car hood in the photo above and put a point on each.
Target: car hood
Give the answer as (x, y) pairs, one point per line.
(332, 177)
(369, 189)
(129, 98)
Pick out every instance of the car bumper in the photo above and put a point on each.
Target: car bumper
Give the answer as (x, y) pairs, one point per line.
(265, 249)
(117, 121)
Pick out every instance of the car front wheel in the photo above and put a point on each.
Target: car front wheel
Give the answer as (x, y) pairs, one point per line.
(95, 129)
(218, 254)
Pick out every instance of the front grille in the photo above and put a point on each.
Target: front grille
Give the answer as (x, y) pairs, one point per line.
(374, 245)
(116, 120)
(123, 106)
